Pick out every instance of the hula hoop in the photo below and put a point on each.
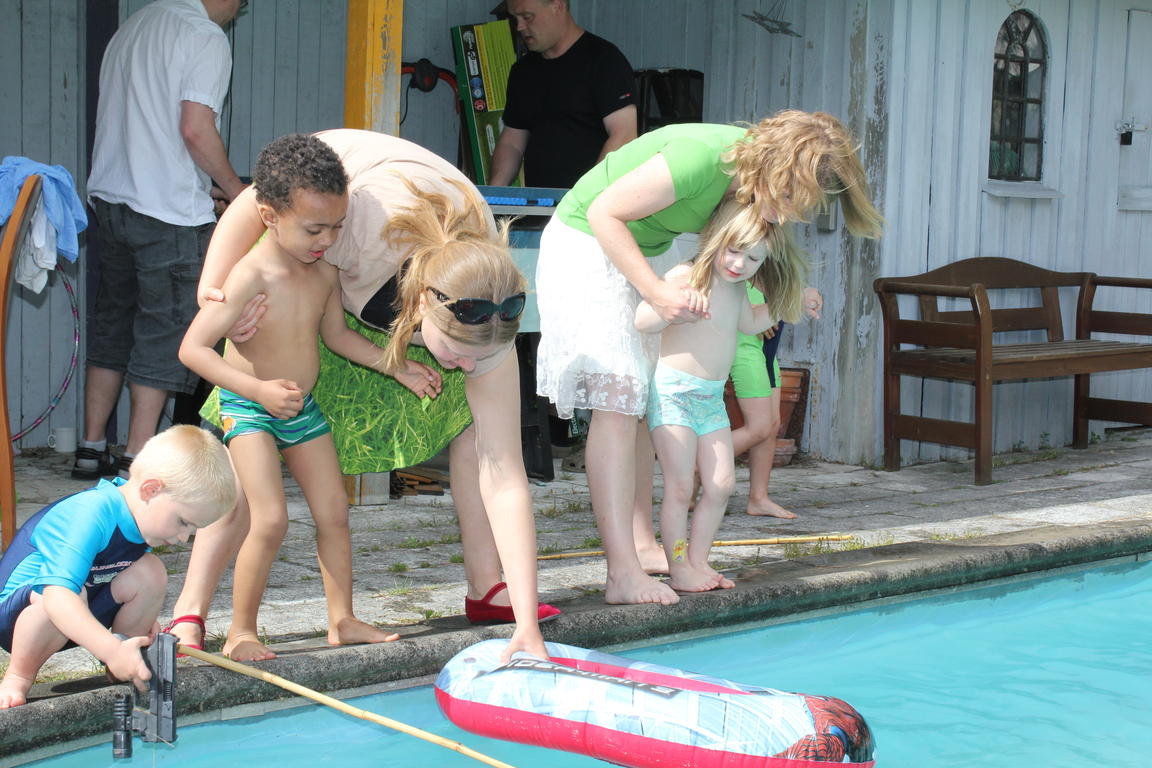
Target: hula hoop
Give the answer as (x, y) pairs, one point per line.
(71, 366)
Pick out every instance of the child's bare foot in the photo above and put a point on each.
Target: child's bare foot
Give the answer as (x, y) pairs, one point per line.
(769, 508)
(351, 631)
(14, 691)
(652, 559)
(245, 646)
(639, 588)
(722, 581)
(688, 578)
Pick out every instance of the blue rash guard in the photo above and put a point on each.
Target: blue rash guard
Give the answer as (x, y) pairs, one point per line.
(79, 542)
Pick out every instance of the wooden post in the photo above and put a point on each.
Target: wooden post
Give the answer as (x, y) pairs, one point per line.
(372, 73)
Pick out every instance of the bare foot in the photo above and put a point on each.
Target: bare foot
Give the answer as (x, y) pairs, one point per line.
(689, 578)
(769, 508)
(14, 691)
(652, 559)
(722, 581)
(350, 631)
(245, 646)
(640, 588)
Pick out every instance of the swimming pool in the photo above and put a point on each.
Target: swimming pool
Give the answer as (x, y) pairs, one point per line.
(1050, 672)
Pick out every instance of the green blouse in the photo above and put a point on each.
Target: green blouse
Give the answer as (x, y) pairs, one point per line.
(692, 151)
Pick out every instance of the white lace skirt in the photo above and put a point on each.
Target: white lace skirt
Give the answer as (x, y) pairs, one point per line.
(590, 354)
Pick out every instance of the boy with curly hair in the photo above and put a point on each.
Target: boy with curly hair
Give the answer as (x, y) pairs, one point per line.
(264, 383)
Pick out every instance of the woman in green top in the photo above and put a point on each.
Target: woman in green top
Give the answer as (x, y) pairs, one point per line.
(593, 269)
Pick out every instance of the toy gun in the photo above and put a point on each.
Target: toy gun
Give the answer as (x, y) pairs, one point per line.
(158, 721)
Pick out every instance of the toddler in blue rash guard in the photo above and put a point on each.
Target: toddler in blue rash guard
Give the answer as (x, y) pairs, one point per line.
(80, 569)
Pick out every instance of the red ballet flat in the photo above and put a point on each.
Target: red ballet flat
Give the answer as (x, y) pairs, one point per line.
(190, 618)
(483, 612)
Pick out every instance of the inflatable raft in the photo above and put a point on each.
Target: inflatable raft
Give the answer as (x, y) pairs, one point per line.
(645, 715)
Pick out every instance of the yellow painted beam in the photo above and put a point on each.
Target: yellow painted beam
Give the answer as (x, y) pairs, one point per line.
(372, 72)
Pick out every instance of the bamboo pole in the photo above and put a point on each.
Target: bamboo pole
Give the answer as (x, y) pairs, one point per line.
(328, 701)
(733, 543)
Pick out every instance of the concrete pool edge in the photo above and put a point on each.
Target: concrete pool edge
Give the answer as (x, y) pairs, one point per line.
(768, 591)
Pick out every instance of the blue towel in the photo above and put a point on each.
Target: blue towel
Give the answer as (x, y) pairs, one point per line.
(62, 205)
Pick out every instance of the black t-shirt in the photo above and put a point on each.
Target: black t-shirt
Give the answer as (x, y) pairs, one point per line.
(562, 102)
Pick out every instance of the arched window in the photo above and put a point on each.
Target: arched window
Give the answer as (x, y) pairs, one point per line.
(1016, 147)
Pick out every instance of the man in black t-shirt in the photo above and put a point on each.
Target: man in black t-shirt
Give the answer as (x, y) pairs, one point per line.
(570, 99)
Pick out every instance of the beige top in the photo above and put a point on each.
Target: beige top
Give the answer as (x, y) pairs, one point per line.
(377, 165)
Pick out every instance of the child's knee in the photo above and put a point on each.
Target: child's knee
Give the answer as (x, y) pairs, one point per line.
(146, 576)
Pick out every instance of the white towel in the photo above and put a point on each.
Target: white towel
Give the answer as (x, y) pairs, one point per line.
(37, 253)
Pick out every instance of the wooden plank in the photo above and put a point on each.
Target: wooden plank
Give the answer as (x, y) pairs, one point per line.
(285, 74)
(372, 76)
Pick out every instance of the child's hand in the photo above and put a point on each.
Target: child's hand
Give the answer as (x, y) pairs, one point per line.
(281, 398)
(127, 664)
(674, 303)
(422, 380)
(769, 333)
(697, 303)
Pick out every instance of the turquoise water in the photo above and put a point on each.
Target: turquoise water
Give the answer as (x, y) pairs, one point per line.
(1051, 672)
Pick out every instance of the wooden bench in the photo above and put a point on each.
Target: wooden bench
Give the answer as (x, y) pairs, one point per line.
(960, 345)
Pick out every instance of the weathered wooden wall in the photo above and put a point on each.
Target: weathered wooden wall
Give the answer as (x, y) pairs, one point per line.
(909, 77)
(42, 118)
(940, 207)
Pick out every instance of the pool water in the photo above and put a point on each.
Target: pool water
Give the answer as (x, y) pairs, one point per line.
(1050, 672)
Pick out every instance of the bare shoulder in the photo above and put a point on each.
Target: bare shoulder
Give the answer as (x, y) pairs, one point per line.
(679, 273)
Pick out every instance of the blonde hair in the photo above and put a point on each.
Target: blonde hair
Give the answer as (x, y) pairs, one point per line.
(192, 464)
(782, 275)
(451, 249)
(797, 162)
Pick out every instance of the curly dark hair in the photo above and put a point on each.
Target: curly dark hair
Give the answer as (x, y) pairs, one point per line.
(296, 161)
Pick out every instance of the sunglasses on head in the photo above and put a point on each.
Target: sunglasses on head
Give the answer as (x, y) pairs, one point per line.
(480, 311)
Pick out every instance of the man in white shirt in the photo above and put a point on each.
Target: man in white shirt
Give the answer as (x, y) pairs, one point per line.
(157, 163)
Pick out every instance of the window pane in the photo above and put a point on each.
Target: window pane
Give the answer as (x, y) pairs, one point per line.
(997, 129)
(1035, 80)
(1031, 167)
(1032, 121)
(998, 70)
(1015, 80)
(1013, 116)
(1034, 44)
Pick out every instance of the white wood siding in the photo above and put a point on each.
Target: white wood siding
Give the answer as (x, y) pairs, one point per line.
(42, 118)
(911, 78)
(940, 86)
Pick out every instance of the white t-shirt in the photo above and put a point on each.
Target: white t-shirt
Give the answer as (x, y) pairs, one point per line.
(165, 53)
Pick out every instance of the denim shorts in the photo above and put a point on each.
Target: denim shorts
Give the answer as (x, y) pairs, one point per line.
(146, 297)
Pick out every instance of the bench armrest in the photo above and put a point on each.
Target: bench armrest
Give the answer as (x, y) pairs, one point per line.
(1122, 282)
(922, 289)
(1089, 320)
(934, 332)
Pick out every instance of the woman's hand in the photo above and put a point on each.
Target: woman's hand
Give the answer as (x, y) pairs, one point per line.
(420, 379)
(281, 398)
(677, 303)
(813, 303)
(248, 323)
(528, 641)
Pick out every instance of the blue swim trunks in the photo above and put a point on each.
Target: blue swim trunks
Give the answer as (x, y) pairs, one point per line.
(239, 416)
(680, 399)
